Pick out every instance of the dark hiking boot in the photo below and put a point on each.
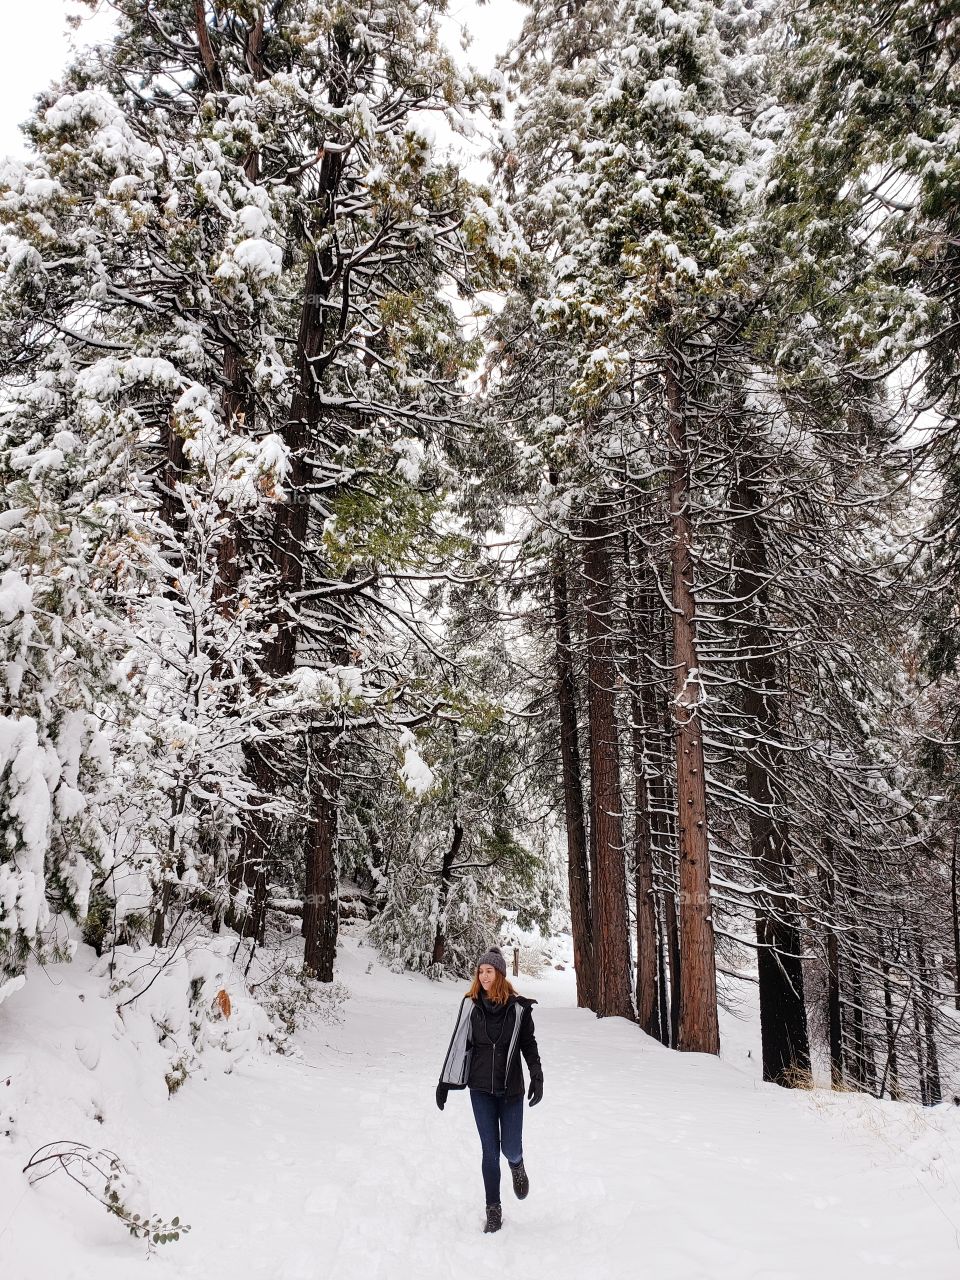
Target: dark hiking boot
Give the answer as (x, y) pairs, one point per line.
(494, 1218)
(521, 1183)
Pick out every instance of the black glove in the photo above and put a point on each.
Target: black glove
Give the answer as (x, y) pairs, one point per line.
(442, 1091)
(535, 1092)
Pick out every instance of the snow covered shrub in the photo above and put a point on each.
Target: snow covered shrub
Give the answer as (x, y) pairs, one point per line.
(55, 762)
(531, 960)
(292, 998)
(191, 999)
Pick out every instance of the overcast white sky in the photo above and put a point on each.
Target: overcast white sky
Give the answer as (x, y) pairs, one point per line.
(37, 40)
(34, 49)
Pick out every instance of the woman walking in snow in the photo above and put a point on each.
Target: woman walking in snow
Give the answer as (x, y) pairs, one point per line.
(493, 1022)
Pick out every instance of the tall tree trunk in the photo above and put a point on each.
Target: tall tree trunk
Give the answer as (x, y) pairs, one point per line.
(955, 907)
(648, 1009)
(934, 1091)
(890, 1069)
(578, 876)
(834, 997)
(663, 1009)
(673, 956)
(699, 1029)
(446, 874)
(609, 903)
(664, 819)
(211, 67)
(250, 870)
(834, 1010)
(321, 906)
(918, 1047)
(857, 1054)
(783, 1016)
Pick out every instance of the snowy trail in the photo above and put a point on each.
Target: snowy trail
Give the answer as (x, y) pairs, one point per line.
(642, 1163)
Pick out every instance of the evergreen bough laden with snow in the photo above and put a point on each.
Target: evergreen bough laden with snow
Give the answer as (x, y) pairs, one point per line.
(225, 275)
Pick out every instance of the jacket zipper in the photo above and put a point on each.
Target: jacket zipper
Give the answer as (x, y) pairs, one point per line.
(518, 1014)
(493, 1055)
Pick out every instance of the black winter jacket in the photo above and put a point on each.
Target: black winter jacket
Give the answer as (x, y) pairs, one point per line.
(483, 1049)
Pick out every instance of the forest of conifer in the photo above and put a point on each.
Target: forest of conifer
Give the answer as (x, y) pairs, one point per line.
(569, 546)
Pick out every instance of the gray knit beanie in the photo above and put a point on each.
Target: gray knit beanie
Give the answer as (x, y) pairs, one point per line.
(494, 956)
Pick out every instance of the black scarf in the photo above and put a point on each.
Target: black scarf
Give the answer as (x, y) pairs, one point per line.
(493, 1014)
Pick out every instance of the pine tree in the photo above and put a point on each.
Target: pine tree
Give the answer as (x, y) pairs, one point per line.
(231, 251)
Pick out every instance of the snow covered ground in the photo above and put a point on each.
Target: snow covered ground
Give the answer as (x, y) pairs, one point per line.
(337, 1165)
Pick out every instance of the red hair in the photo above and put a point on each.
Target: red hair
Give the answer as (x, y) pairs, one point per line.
(499, 993)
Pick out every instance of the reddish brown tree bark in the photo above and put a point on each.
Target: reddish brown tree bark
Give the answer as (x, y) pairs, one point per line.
(699, 1028)
(648, 1009)
(609, 900)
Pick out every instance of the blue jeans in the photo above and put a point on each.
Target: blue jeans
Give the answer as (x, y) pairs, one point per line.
(500, 1125)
